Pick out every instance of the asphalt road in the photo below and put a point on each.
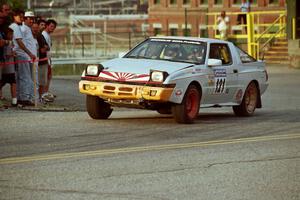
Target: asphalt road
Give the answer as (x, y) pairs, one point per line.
(140, 154)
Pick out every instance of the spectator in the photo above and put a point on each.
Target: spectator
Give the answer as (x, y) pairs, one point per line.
(2, 44)
(42, 24)
(6, 11)
(32, 45)
(9, 75)
(25, 93)
(43, 63)
(35, 31)
(50, 27)
(5, 20)
(242, 18)
(223, 24)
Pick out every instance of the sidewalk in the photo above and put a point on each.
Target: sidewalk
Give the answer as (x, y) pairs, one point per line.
(278, 68)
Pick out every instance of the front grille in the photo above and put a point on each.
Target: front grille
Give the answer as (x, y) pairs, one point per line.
(121, 91)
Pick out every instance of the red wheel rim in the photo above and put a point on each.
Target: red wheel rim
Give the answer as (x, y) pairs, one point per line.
(192, 103)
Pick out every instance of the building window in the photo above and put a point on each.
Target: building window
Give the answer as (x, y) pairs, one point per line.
(203, 2)
(187, 32)
(185, 2)
(173, 31)
(237, 1)
(156, 1)
(172, 2)
(218, 2)
(203, 31)
(273, 1)
(157, 31)
(186, 29)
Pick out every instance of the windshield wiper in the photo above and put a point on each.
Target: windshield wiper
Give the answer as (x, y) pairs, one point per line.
(138, 57)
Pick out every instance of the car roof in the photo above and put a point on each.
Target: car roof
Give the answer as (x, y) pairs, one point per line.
(198, 39)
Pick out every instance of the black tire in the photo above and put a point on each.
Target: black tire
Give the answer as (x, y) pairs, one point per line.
(97, 108)
(188, 110)
(249, 102)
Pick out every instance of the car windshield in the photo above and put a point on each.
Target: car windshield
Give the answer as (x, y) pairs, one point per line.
(174, 50)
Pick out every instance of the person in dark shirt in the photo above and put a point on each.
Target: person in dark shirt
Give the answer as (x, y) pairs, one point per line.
(43, 63)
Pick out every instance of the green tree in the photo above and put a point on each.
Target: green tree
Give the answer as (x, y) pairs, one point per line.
(15, 4)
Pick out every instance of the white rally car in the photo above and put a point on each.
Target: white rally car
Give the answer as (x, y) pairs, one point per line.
(176, 75)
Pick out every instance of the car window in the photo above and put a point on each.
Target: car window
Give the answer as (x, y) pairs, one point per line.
(245, 58)
(221, 52)
(171, 50)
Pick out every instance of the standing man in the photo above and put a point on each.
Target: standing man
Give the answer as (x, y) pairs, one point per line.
(245, 8)
(50, 27)
(223, 24)
(32, 45)
(2, 44)
(43, 62)
(25, 90)
(4, 23)
(6, 11)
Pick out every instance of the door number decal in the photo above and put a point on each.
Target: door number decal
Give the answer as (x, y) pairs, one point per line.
(220, 81)
(220, 85)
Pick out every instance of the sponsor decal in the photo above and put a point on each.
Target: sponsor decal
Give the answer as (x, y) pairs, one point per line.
(124, 76)
(196, 70)
(220, 73)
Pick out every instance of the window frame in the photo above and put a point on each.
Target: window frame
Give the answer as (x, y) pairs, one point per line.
(228, 50)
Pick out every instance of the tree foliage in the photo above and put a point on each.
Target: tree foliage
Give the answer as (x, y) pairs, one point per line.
(15, 4)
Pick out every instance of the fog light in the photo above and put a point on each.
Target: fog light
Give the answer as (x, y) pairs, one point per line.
(86, 86)
(153, 92)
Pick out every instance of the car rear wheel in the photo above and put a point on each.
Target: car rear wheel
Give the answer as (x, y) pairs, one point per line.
(97, 108)
(249, 102)
(188, 110)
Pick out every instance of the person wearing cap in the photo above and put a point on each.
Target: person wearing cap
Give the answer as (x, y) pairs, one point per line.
(31, 44)
(25, 91)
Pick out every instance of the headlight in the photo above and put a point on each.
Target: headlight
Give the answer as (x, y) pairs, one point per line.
(93, 70)
(158, 76)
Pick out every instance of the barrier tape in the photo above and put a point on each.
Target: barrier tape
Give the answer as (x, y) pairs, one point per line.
(22, 61)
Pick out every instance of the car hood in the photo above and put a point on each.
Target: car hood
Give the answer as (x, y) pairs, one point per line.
(142, 66)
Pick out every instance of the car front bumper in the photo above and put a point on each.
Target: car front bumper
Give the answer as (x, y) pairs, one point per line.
(118, 91)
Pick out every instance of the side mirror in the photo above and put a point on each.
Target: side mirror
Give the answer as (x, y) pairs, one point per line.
(214, 62)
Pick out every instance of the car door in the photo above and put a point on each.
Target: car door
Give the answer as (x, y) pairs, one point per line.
(224, 78)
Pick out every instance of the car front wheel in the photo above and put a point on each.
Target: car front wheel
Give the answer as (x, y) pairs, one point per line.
(97, 108)
(188, 110)
(249, 102)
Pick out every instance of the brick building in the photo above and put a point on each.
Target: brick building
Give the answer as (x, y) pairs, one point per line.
(192, 18)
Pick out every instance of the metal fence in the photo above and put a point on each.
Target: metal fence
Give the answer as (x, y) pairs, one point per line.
(95, 44)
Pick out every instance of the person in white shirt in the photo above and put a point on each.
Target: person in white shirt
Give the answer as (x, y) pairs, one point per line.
(25, 91)
(32, 46)
(50, 27)
(223, 25)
